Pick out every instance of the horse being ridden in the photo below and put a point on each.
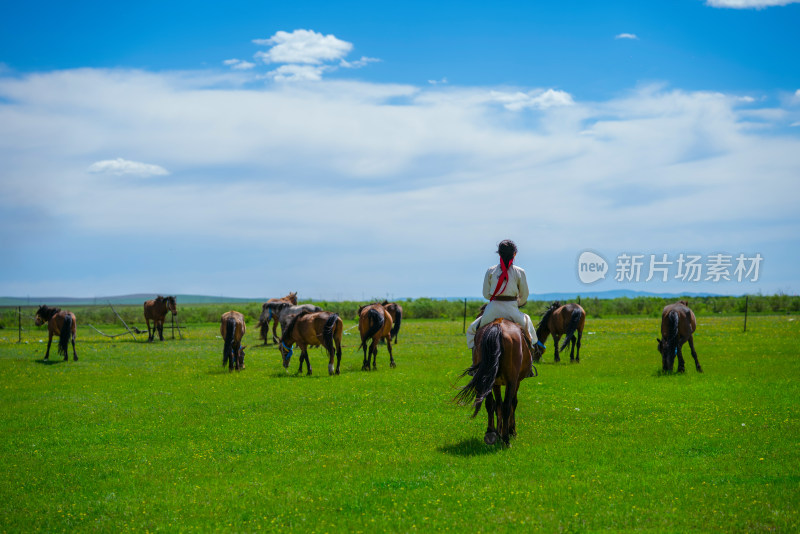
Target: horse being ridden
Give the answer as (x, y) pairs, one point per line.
(312, 329)
(396, 311)
(678, 324)
(563, 320)
(232, 330)
(501, 357)
(156, 310)
(268, 312)
(374, 323)
(61, 323)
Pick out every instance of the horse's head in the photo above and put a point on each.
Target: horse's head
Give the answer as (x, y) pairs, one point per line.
(40, 316)
(286, 353)
(668, 354)
(172, 305)
(292, 297)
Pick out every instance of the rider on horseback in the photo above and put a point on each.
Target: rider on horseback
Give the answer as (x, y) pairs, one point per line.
(506, 288)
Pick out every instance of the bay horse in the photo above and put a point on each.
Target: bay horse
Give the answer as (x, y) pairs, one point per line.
(312, 329)
(232, 330)
(678, 324)
(156, 310)
(501, 357)
(563, 320)
(374, 323)
(61, 323)
(268, 310)
(396, 311)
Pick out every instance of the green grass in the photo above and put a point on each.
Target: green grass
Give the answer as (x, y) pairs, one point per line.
(159, 436)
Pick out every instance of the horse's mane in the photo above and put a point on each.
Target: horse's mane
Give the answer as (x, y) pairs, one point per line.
(46, 311)
(289, 327)
(548, 312)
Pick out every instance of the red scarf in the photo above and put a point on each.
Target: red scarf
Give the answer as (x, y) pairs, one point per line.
(503, 278)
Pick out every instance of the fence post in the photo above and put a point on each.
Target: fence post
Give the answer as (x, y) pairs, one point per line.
(464, 329)
(745, 313)
(19, 323)
(173, 325)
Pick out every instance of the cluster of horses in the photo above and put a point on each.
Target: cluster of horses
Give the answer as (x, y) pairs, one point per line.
(503, 357)
(307, 326)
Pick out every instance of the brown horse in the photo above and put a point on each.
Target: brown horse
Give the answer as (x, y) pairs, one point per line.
(156, 310)
(269, 312)
(312, 329)
(677, 327)
(375, 323)
(62, 324)
(396, 311)
(501, 357)
(561, 320)
(232, 329)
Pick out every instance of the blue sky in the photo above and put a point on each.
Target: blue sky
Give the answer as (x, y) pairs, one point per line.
(354, 150)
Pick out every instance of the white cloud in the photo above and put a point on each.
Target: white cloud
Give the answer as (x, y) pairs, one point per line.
(632, 36)
(364, 61)
(297, 73)
(302, 46)
(538, 99)
(239, 64)
(123, 167)
(749, 4)
(679, 164)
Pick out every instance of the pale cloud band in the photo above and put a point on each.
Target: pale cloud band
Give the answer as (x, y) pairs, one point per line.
(749, 4)
(123, 167)
(631, 36)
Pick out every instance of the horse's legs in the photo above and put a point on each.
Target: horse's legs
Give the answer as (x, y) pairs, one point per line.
(338, 355)
(365, 364)
(274, 330)
(681, 362)
(74, 354)
(160, 325)
(373, 354)
(389, 348)
(498, 408)
(491, 432)
(49, 341)
(508, 410)
(578, 357)
(149, 335)
(694, 355)
(512, 430)
(555, 347)
(308, 361)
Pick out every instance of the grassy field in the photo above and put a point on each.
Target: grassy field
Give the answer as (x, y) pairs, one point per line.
(159, 436)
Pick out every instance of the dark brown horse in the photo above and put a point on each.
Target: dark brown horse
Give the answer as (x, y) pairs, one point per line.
(156, 310)
(563, 320)
(396, 311)
(232, 330)
(269, 312)
(374, 323)
(61, 323)
(312, 329)
(501, 357)
(677, 327)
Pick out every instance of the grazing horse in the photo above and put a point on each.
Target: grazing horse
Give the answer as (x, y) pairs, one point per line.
(232, 329)
(561, 320)
(268, 311)
(396, 311)
(501, 357)
(375, 323)
(156, 310)
(677, 327)
(312, 329)
(62, 324)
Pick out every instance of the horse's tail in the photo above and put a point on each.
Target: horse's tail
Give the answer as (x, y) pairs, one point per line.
(63, 337)
(230, 329)
(396, 326)
(328, 331)
(672, 330)
(574, 321)
(483, 373)
(375, 324)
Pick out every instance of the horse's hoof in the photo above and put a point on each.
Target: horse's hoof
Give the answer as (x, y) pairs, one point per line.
(330, 369)
(392, 365)
(490, 438)
(75, 359)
